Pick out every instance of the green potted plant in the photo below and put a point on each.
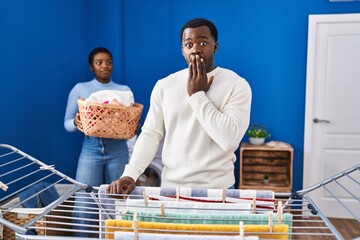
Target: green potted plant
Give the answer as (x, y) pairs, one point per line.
(257, 134)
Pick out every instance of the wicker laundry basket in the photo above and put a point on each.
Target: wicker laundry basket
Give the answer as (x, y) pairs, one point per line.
(109, 121)
(19, 219)
(20, 216)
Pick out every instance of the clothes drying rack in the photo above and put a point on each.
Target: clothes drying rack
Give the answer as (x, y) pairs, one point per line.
(297, 211)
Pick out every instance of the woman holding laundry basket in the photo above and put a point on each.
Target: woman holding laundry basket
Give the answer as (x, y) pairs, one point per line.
(101, 160)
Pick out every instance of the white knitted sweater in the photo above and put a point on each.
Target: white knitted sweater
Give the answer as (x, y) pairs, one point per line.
(201, 132)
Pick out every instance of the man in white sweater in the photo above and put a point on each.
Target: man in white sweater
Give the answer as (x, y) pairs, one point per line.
(202, 113)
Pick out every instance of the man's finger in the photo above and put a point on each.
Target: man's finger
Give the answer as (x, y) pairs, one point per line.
(210, 80)
(190, 70)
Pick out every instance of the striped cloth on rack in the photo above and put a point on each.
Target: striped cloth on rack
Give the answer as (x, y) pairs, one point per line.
(195, 192)
(201, 192)
(154, 236)
(261, 203)
(264, 198)
(109, 203)
(183, 207)
(199, 218)
(263, 231)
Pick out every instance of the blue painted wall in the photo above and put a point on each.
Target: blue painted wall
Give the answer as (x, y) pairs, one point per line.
(45, 46)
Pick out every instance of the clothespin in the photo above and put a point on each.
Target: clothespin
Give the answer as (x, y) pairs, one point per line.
(270, 222)
(280, 212)
(135, 225)
(3, 186)
(178, 193)
(47, 167)
(145, 199)
(241, 230)
(162, 210)
(254, 205)
(224, 195)
(123, 213)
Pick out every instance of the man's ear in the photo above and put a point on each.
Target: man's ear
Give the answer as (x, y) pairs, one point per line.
(215, 47)
(91, 67)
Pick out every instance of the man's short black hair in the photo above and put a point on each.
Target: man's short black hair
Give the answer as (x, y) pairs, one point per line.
(198, 22)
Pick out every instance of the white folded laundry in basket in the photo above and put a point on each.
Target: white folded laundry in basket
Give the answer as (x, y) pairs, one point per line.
(124, 98)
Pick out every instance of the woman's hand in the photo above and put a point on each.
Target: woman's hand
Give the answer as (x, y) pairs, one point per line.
(77, 122)
(124, 185)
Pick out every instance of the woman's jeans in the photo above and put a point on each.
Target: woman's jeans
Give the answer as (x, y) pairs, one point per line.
(102, 160)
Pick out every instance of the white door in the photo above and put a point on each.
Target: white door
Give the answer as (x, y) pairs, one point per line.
(332, 114)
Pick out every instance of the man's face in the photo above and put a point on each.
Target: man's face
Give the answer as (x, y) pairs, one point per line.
(198, 41)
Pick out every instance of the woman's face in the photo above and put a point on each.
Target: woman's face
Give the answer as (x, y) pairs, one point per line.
(102, 67)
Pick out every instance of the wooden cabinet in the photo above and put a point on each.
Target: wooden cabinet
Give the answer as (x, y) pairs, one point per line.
(274, 161)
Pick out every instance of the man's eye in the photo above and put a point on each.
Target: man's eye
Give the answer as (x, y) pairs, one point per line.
(98, 63)
(109, 62)
(203, 43)
(188, 45)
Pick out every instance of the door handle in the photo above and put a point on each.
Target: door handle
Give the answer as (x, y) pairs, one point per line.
(316, 120)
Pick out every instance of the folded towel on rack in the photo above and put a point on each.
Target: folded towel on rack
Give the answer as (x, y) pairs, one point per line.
(184, 207)
(198, 218)
(201, 192)
(261, 203)
(195, 192)
(154, 236)
(264, 198)
(109, 203)
(278, 231)
(38, 195)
